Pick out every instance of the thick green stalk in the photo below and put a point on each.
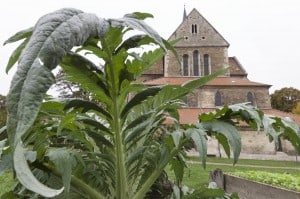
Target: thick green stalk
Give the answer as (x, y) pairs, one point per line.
(155, 174)
(147, 185)
(88, 190)
(121, 176)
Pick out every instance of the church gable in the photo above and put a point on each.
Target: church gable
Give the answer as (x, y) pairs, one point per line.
(236, 68)
(197, 31)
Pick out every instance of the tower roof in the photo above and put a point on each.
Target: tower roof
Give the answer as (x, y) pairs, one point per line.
(184, 14)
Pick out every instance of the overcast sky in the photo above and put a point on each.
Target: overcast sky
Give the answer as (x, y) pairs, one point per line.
(263, 34)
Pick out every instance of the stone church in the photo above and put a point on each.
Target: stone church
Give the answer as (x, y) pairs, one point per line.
(202, 51)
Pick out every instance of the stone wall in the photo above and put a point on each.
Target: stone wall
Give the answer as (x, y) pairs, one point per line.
(218, 59)
(253, 142)
(205, 97)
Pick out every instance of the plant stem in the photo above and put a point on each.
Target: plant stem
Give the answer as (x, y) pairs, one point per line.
(92, 193)
(155, 174)
(121, 177)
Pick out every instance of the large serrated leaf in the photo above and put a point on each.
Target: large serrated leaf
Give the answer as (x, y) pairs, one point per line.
(20, 35)
(86, 106)
(15, 55)
(289, 130)
(229, 131)
(77, 70)
(199, 137)
(191, 85)
(26, 177)
(270, 131)
(139, 15)
(139, 25)
(53, 36)
(138, 120)
(64, 162)
(137, 99)
(248, 113)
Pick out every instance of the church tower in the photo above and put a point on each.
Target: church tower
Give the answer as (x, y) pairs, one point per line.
(202, 49)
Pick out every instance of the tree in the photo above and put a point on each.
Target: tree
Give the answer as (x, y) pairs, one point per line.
(296, 109)
(68, 89)
(120, 147)
(285, 99)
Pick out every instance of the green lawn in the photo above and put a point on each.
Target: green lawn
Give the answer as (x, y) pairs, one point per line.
(195, 176)
(275, 163)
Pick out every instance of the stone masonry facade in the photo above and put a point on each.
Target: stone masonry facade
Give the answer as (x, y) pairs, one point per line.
(202, 50)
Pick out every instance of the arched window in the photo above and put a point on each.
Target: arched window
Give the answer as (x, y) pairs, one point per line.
(206, 65)
(218, 99)
(185, 65)
(250, 98)
(194, 28)
(196, 63)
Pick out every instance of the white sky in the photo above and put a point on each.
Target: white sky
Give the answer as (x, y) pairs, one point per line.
(263, 34)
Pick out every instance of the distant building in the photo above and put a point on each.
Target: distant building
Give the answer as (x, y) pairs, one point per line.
(203, 50)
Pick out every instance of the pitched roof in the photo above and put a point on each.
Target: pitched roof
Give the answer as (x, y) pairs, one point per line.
(190, 115)
(206, 35)
(157, 68)
(219, 81)
(275, 112)
(236, 68)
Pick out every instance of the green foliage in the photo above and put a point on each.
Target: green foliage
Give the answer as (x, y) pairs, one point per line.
(117, 145)
(283, 180)
(6, 182)
(285, 99)
(211, 192)
(296, 109)
(2, 110)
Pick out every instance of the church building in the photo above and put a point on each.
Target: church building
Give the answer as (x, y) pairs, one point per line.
(202, 51)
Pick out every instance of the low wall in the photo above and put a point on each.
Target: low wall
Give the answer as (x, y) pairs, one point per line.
(247, 189)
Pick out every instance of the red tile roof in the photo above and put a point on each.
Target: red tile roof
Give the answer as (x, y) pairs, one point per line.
(275, 112)
(190, 115)
(219, 81)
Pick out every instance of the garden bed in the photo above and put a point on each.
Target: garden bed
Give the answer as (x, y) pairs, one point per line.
(282, 180)
(248, 189)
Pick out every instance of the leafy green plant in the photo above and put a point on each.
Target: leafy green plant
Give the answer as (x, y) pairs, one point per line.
(116, 146)
(283, 180)
(6, 182)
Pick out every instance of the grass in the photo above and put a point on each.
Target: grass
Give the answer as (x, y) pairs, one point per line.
(196, 176)
(274, 163)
